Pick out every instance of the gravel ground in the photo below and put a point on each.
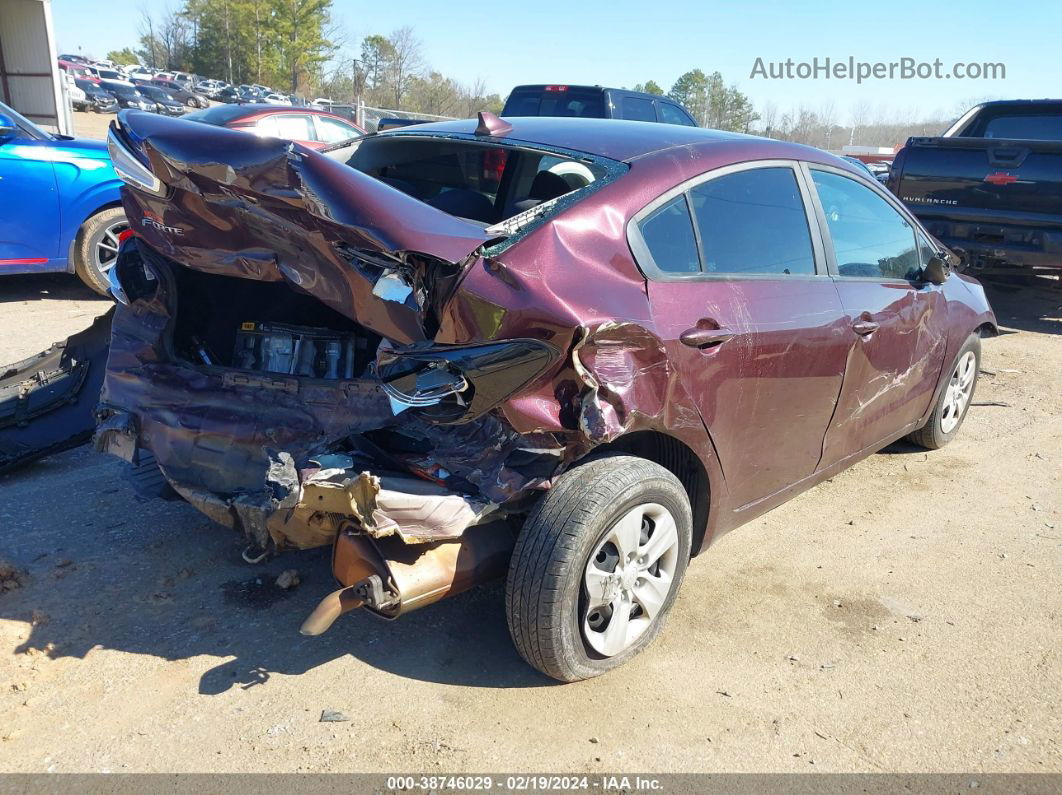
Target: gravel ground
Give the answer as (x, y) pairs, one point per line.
(906, 615)
(91, 125)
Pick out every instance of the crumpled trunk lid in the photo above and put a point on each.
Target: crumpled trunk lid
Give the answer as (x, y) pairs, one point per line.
(240, 227)
(272, 210)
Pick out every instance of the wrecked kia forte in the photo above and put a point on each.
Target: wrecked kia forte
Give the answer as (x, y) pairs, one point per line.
(572, 352)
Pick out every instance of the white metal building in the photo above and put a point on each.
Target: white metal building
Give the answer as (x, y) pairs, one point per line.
(30, 79)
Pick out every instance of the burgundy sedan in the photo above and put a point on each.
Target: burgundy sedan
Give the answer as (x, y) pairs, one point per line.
(570, 352)
(308, 126)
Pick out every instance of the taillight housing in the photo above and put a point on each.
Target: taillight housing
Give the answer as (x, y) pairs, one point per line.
(458, 383)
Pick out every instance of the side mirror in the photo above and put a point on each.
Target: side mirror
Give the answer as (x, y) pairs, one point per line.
(7, 127)
(936, 270)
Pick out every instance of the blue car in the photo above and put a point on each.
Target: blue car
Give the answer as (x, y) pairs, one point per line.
(59, 205)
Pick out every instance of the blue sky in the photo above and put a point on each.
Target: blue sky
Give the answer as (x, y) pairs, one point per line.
(624, 42)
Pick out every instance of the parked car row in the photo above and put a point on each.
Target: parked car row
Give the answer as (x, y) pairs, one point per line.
(180, 86)
(184, 87)
(110, 96)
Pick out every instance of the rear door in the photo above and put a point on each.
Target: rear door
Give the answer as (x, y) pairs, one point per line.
(896, 323)
(739, 291)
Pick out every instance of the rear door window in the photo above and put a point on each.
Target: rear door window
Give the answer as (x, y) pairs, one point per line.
(289, 126)
(638, 109)
(753, 222)
(669, 236)
(332, 131)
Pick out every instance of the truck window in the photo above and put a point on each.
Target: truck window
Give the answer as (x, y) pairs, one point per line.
(1033, 127)
(638, 109)
(673, 114)
(587, 103)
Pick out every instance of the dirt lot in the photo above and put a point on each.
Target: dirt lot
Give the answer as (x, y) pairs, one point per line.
(906, 615)
(91, 125)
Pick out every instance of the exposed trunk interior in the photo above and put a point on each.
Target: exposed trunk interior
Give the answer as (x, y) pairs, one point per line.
(266, 327)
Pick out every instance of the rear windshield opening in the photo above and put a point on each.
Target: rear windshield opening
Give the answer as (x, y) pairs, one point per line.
(473, 180)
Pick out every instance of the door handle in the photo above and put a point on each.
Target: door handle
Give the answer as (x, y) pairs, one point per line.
(697, 337)
(864, 327)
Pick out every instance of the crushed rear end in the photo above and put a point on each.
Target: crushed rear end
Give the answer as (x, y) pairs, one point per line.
(274, 352)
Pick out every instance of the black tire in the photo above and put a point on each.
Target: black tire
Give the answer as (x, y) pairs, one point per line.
(88, 238)
(545, 582)
(932, 435)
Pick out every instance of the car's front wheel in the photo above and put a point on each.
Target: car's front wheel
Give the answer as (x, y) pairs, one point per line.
(954, 400)
(96, 247)
(597, 566)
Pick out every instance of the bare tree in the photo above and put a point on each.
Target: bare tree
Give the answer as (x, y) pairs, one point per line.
(473, 97)
(769, 120)
(406, 62)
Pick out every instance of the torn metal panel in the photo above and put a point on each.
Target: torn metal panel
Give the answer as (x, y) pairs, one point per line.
(270, 210)
(481, 379)
(417, 511)
(47, 401)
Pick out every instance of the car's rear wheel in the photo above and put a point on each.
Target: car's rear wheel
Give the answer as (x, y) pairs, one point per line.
(96, 248)
(954, 399)
(597, 566)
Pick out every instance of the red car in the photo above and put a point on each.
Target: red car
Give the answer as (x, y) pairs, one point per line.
(573, 352)
(308, 126)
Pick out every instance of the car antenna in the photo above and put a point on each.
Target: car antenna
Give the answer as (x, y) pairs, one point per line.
(489, 124)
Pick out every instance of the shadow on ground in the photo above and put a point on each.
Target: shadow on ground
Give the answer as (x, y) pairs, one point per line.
(1029, 304)
(46, 286)
(105, 571)
(156, 578)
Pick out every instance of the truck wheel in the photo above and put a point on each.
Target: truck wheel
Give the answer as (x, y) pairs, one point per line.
(597, 566)
(96, 247)
(954, 401)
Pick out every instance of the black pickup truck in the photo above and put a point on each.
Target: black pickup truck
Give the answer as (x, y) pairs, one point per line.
(991, 187)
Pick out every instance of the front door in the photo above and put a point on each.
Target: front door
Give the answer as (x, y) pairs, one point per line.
(739, 292)
(29, 203)
(897, 322)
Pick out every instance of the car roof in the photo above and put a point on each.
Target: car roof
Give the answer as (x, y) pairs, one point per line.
(612, 138)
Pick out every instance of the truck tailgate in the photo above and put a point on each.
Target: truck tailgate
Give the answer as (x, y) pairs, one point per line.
(962, 176)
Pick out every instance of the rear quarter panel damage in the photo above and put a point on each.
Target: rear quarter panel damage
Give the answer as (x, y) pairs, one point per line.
(241, 445)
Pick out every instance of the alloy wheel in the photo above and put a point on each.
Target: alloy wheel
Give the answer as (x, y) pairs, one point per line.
(959, 389)
(106, 250)
(628, 578)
